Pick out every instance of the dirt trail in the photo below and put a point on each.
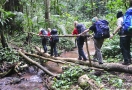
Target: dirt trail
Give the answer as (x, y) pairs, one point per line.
(74, 53)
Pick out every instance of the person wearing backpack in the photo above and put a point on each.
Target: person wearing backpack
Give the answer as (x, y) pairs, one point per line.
(80, 41)
(124, 39)
(101, 31)
(49, 31)
(43, 39)
(74, 32)
(53, 42)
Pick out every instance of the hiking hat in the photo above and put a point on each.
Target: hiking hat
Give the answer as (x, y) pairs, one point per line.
(94, 19)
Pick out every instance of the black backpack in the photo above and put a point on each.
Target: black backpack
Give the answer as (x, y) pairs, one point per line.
(102, 29)
(81, 28)
(54, 38)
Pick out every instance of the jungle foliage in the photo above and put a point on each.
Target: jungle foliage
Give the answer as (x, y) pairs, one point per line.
(17, 17)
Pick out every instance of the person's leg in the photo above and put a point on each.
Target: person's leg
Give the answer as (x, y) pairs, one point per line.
(55, 50)
(75, 42)
(81, 52)
(51, 50)
(128, 48)
(78, 46)
(125, 48)
(44, 45)
(98, 55)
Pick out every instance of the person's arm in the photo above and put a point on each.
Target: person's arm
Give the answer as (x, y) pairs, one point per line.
(117, 29)
(119, 26)
(84, 32)
(93, 27)
(40, 33)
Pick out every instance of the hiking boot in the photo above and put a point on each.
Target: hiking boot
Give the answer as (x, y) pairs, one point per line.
(125, 63)
(85, 59)
(56, 55)
(79, 58)
(94, 60)
(100, 62)
(130, 61)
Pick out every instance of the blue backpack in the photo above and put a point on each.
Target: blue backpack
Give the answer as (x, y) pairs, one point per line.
(54, 38)
(127, 22)
(44, 32)
(81, 28)
(102, 29)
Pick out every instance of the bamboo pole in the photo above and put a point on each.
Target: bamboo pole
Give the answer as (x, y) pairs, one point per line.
(88, 53)
(68, 35)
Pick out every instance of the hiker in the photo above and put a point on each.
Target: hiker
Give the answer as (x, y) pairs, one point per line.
(98, 39)
(80, 42)
(124, 39)
(43, 39)
(74, 32)
(53, 43)
(49, 30)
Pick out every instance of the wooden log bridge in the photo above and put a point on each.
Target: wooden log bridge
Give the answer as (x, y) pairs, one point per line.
(106, 66)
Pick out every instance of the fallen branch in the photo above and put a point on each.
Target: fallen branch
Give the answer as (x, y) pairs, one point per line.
(41, 57)
(5, 72)
(49, 59)
(36, 63)
(40, 51)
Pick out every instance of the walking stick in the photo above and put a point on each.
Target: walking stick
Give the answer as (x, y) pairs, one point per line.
(88, 52)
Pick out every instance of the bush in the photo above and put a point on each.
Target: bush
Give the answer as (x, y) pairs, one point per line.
(111, 48)
(7, 54)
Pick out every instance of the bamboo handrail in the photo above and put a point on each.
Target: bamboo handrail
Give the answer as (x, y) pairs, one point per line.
(68, 35)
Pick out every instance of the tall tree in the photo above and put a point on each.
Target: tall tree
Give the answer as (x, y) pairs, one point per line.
(47, 13)
(6, 22)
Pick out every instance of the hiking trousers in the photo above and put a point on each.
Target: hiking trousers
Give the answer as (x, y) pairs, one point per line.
(125, 48)
(80, 50)
(44, 42)
(98, 44)
(53, 50)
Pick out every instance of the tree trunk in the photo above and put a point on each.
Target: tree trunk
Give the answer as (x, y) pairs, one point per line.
(47, 13)
(3, 40)
(92, 8)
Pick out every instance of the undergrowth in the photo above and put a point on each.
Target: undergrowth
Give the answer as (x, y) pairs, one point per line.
(71, 75)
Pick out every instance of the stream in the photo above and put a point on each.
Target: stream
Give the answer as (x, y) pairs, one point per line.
(32, 80)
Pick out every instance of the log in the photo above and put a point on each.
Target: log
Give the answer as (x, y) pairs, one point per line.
(49, 59)
(36, 63)
(106, 66)
(44, 58)
(40, 51)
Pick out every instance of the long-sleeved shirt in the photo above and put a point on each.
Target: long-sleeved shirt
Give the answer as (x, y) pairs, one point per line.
(75, 32)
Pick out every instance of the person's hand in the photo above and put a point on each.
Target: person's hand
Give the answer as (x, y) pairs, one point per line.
(111, 36)
(79, 34)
